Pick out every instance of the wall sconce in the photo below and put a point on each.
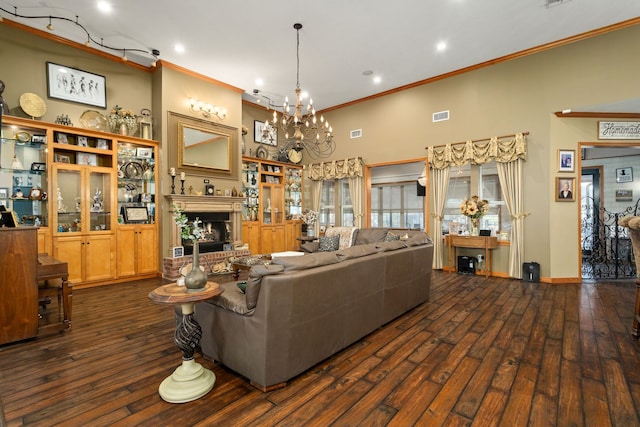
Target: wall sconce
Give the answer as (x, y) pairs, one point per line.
(207, 110)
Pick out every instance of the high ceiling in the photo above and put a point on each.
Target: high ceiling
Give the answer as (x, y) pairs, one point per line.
(238, 42)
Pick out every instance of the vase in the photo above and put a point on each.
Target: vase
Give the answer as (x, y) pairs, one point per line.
(305, 228)
(123, 129)
(196, 279)
(311, 231)
(475, 224)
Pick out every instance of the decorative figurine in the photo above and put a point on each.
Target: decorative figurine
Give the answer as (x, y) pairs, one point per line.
(3, 103)
(61, 207)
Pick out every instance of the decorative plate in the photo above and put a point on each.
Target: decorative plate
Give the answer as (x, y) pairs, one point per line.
(32, 104)
(95, 120)
(262, 152)
(133, 170)
(295, 156)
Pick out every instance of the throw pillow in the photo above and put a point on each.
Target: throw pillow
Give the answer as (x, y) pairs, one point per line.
(242, 286)
(390, 237)
(328, 243)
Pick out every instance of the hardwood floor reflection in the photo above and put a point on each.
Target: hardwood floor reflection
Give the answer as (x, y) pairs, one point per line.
(480, 352)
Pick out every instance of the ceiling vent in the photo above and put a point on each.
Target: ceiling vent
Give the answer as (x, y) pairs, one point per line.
(551, 3)
(441, 116)
(357, 133)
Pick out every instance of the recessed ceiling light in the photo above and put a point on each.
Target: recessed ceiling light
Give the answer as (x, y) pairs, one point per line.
(104, 7)
(377, 79)
(441, 46)
(179, 48)
(259, 82)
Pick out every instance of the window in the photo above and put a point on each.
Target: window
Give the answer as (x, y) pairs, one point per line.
(335, 197)
(469, 180)
(397, 205)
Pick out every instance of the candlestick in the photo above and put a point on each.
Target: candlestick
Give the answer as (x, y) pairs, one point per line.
(182, 184)
(173, 184)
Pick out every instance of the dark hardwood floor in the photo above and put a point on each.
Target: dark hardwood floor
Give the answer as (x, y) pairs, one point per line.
(480, 352)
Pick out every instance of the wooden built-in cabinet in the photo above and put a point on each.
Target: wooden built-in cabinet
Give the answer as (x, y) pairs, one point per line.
(136, 249)
(272, 204)
(83, 188)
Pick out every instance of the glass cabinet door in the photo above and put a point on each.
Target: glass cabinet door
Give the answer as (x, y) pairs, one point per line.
(100, 203)
(272, 197)
(67, 200)
(293, 193)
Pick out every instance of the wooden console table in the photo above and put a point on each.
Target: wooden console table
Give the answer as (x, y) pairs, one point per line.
(487, 243)
(50, 268)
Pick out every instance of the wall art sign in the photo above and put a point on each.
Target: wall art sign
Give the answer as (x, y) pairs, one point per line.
(618, 130)
(71, 84)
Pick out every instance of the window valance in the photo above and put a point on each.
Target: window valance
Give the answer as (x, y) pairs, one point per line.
(500, 149)
(336, 169)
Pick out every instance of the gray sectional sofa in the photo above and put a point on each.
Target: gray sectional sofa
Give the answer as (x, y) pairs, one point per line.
(297, 311)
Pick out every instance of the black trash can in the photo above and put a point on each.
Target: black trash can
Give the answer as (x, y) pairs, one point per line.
(531, 272)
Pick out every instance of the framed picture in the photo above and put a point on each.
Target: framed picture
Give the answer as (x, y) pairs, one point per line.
(565, 188)
(8, 219)
(38, 167)
(135, 214)
(102, 144)
(61, 158)
(39, 139)
(177, 251)
(624, 175)
(4, 193)
(227, 192)
(566, 160)
(624, 195)
(271, 138)
(87, 159)
(145, 153)
(71, 84)
(61, 138)
(82, 141)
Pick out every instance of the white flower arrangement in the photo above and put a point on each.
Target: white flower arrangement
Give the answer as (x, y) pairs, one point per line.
(474, 207)
(188, 230)
(118, 116)
(309, 217)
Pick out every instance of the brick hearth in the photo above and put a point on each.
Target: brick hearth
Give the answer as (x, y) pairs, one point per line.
(172, 266)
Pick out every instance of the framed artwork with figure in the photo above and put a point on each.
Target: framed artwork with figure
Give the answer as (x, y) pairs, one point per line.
(566, 160)
(565, 189)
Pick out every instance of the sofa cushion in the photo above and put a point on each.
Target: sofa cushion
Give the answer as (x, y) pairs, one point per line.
(356, 251)
(391, 246)
(418, 239)
(309, 247)
(391, 236)
(308, 261)
(255, 279)
(328, 243)
(232, 299)
(370, 235)
(346, 235)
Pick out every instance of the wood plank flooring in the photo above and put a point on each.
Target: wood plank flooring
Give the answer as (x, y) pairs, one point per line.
(481, 352)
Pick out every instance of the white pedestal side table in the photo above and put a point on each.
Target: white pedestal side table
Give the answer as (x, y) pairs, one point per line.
(190, 380)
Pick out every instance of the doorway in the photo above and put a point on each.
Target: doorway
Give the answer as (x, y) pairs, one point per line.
(605, 197)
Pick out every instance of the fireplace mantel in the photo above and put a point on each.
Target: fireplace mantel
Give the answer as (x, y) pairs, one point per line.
(190, 203)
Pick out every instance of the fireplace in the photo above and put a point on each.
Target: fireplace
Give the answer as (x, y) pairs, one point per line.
(222, 222)
(217, 232)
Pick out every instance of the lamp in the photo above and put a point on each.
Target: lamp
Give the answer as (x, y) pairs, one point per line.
(207, 110)
(308, 132)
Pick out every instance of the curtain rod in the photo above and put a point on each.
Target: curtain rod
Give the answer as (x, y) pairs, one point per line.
(477, 140)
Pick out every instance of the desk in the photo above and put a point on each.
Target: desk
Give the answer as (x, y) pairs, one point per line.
(190, 381)
(474, 242)
(50, 268)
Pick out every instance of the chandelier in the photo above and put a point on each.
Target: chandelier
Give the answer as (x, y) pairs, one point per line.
(303, 131)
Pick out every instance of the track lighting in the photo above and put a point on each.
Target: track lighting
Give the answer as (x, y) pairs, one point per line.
(50, 26)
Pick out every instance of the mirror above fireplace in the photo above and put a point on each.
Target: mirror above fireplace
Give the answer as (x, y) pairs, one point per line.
(203, 147)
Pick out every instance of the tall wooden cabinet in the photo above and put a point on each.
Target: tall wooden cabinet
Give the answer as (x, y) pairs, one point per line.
(91, 193)
(19, 288)
(273, 201)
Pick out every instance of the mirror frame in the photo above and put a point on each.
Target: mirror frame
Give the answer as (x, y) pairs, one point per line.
(175, 125)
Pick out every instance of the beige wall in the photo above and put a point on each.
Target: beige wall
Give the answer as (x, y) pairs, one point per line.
(515, 96)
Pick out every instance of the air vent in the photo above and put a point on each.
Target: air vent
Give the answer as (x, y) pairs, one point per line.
(441, 116)
(551, 3)
(357, 133)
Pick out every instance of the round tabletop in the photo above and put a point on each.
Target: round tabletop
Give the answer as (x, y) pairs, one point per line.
(174, 294)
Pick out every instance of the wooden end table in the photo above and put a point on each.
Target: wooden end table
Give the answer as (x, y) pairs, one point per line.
(190, 380)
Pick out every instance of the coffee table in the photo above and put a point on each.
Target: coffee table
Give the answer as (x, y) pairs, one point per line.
(245, 263)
